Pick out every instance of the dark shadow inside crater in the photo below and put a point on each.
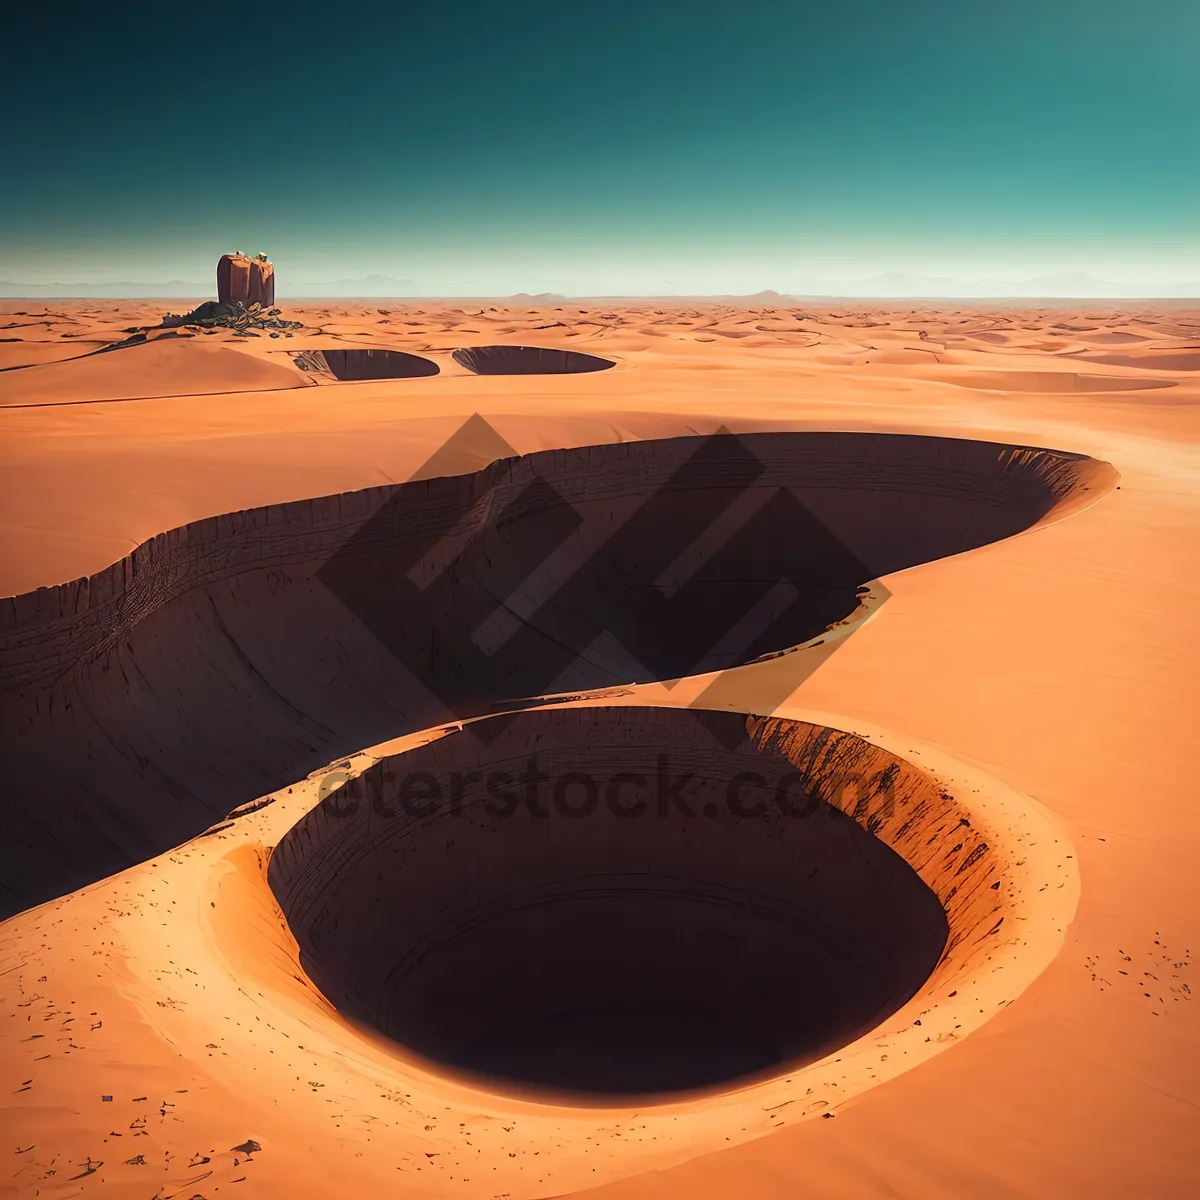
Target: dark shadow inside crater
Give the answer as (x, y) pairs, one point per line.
(622, 1049)
(349, 365)
(605, 901)
(528, 360)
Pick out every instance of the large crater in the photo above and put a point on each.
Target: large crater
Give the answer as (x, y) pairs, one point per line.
(234, 655)
(528, 360)
(616, 901)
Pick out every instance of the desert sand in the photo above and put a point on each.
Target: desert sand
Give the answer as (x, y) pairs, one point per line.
(1019, 1020)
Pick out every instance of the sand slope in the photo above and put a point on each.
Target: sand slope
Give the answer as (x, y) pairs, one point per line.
(153, 368)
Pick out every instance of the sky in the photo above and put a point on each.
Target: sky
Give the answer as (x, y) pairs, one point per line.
(630, 147)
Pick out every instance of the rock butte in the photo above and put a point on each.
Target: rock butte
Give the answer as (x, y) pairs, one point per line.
(250, 280)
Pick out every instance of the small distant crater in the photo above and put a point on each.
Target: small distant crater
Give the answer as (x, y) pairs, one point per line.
(528, 360)
(349, 366)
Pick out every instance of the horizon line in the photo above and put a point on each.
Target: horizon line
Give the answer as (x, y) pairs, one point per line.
(785, 298)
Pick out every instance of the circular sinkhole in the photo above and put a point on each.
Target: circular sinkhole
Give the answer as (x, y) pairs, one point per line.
(349, 365)
(528, 360)
(601, 902)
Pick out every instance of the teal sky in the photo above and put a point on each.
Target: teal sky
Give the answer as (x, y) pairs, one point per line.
(619, 148)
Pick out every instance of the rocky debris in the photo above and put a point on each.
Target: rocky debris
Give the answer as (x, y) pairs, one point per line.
(250, 280)
(313, 361)
(244, 320)
(251, 806)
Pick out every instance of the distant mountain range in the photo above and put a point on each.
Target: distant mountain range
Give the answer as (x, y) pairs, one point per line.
(891, 285)
(898, 285)
(104, 291)
(1063, 286)
(371, 285)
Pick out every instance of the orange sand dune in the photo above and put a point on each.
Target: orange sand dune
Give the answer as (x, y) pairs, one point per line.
(1008, 707)
(1116, 338)
(16, 353)
(1183, 360)
(151, 369)
(1055, 381)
